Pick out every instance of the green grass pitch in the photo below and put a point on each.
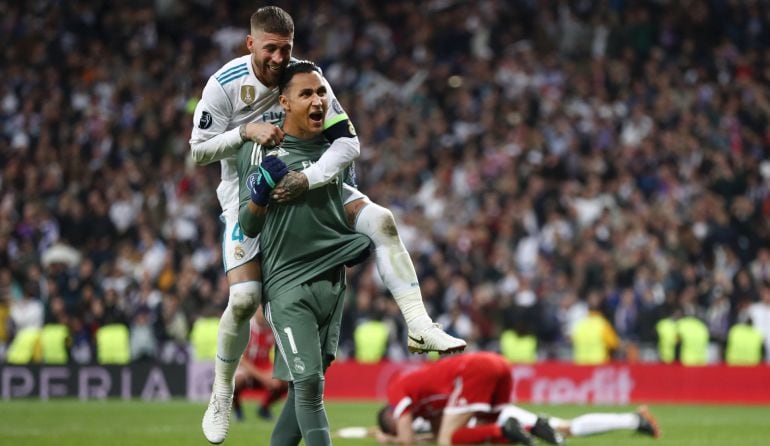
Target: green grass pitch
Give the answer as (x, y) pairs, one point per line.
(134, 423)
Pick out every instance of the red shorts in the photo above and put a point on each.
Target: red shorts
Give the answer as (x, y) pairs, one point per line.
(250, 382)
(485, 385)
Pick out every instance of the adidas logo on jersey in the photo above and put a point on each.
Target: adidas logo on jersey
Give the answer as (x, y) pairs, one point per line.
(278, 151)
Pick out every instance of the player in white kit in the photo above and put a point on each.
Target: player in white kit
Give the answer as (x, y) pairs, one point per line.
(240, 103)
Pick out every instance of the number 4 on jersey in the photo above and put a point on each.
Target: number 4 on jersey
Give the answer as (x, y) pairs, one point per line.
(237, 233)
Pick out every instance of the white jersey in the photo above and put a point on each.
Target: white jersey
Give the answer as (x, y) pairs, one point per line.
(234, 96)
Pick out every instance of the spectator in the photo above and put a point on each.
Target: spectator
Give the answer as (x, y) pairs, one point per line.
(27, 312)
(565, 149)
(142, 341)
(759, 313)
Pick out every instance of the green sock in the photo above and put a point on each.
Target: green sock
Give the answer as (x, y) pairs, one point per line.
(311, 414)
(286, 431)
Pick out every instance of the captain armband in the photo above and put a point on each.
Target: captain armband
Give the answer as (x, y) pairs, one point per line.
(339, 127)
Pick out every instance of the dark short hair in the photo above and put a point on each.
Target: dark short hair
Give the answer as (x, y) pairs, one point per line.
(273, 20)
(296, 67)
(385, 420)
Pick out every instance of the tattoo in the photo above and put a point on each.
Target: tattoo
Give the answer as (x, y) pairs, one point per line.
(292, 186)
(242, 132)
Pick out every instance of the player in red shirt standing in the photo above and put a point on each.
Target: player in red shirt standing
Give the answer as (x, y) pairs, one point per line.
(448, 393)
(255, 371)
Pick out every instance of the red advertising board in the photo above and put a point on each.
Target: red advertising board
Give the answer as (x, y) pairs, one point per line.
(563, 383)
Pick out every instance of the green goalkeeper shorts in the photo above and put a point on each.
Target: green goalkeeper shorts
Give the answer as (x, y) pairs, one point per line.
(306, 323)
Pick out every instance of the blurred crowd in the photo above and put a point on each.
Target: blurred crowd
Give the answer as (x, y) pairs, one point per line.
(538, 155)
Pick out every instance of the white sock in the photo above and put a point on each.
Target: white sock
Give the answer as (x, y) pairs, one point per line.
(394, 264)
(596, 423)
(233, 335)
(526, 418)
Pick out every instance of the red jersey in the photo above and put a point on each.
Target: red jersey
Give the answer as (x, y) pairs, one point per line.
(260, 346)
(471, 382)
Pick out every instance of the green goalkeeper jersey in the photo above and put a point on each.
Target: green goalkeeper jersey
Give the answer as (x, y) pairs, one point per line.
(306, 237)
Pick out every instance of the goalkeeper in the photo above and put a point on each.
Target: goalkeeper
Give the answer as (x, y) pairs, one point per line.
(305, 245)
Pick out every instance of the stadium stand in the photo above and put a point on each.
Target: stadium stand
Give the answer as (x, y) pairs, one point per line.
(533, 153)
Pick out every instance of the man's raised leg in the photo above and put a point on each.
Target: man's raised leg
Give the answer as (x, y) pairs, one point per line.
(399, 276)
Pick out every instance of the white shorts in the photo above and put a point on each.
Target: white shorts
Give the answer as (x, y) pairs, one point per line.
(237, 249)
(350, 193)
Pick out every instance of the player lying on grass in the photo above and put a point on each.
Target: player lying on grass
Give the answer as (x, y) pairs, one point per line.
(450, 393)
(641, 421)
(466, 400)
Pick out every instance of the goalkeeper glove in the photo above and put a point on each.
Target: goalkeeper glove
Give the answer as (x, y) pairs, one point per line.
(262, 182)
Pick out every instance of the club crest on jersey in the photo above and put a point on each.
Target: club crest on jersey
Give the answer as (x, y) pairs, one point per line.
(206, 120)
(299, 366)
(248, 93)
(239, 253)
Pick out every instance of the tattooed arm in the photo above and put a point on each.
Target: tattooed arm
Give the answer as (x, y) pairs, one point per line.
(290, 187)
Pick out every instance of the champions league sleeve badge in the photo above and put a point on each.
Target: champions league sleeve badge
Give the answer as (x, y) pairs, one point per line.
(252, 180)
(336, 106)
(205, 121)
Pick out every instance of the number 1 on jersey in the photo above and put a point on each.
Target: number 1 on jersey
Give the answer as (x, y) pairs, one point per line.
(293, 346)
